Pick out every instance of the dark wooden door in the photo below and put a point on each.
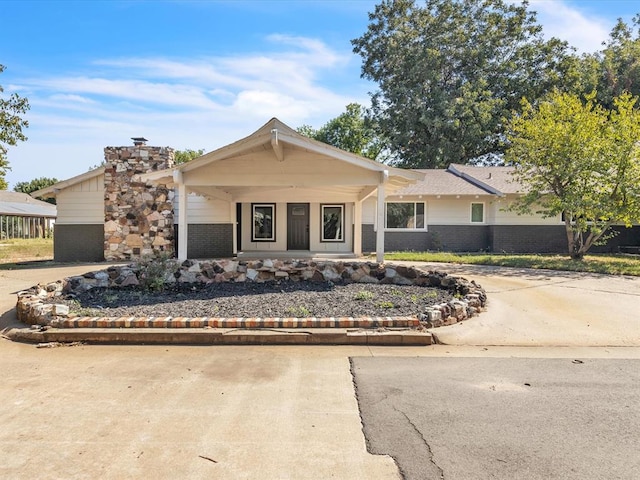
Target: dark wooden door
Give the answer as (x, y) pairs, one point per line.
(297, 226)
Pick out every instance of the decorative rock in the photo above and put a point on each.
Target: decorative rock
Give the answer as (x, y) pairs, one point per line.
(59, 309)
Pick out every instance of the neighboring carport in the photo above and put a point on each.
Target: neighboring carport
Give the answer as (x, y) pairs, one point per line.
(22, 216)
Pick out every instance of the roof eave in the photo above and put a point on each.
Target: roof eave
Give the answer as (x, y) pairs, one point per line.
(53, 190)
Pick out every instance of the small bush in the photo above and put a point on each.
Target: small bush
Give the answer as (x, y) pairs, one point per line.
(155, 272)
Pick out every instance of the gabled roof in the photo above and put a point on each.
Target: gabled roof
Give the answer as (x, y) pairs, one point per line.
(52, 190)
(276, 133)
(498, 179)
(465, 180)
(21, 204)
(442, 182)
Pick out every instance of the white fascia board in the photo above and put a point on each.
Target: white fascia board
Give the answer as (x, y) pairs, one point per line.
(52, 190)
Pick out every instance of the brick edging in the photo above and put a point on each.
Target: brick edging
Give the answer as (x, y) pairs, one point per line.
(220, 322)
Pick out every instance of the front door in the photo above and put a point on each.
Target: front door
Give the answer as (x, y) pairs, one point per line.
(297, 226)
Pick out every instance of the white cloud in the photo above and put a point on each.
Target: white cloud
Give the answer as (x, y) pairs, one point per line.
(582, 31)
(203, 102)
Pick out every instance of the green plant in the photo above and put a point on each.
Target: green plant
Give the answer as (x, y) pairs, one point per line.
(364, 295)
(111, 297)
(386, 305)
(300, 311)
(416, 298)
(153, 272)
(396, 291)
(77, 310)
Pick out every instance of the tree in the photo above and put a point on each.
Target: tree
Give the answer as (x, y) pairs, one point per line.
(183, 156)
(11, 125)
(351, 131)
(449, 72)
(618, 64)
(36, 184)
(579, 160)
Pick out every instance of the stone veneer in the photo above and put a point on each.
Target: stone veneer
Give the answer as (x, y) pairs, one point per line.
(138, 216)
(35, 306)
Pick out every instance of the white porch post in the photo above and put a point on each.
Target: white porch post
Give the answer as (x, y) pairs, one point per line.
(357, 228)
(380, 217)
(182, 215)
(233, 214)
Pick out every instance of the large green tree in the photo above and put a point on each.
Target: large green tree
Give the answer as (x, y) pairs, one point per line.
(450, 71)
(11, 124)
(616, 68)
(352, 131)
(36, 184)
(579, 160)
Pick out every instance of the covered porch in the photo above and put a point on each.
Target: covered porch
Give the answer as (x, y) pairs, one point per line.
(281, 194)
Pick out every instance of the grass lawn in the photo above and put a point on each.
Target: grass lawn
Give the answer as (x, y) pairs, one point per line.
(17, 251)
(609, 264)
(25, 250)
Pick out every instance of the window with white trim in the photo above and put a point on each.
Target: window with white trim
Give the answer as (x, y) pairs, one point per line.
(264, 221)
(332, 223)
(405, 215)
(477, 213)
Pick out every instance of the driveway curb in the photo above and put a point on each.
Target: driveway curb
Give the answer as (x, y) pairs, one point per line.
(199, 336)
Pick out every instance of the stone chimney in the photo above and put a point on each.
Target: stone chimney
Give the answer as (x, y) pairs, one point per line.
(138, 216)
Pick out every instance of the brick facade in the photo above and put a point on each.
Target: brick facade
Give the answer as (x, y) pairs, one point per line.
(78, 243)
(208, 240)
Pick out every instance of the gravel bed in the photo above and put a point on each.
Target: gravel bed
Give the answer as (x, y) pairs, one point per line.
(247, 299)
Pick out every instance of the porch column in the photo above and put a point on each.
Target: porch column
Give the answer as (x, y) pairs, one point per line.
(380, 217)
(233, 214)
(182, 214)
(357, 228)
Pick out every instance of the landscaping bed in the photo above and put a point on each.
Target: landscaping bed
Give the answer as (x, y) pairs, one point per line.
(268, 299)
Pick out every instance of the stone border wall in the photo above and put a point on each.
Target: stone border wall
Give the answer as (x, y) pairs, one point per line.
(35, 306)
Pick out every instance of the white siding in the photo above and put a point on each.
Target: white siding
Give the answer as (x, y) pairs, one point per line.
(369, 211)
(315, 230)
(281, 230)
(503, 217)
(203, 210)
(82, 203)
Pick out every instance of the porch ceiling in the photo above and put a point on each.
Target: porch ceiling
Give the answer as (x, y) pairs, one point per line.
(280, 193)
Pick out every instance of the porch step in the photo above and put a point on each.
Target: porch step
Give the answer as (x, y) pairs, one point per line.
(252, 323)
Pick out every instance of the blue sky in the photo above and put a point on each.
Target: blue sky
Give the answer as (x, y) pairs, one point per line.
(199, 74)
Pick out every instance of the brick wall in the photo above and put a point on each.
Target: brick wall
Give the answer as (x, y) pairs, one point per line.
(78, 243)
(208, 240)
(460, 238)
(529, 238)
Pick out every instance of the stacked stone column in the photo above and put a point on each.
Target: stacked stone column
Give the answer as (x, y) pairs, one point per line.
(138, 215)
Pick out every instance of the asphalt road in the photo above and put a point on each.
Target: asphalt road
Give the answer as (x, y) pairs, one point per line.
(515, 418)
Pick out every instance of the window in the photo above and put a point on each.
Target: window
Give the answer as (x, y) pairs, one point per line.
(263, 226)
(405, 215)
(477, 213)
(332, 223)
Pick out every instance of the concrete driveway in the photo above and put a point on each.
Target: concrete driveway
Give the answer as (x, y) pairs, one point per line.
(547, 308)
(252, 412)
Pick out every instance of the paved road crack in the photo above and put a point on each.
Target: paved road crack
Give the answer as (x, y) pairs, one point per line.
(424, 441)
